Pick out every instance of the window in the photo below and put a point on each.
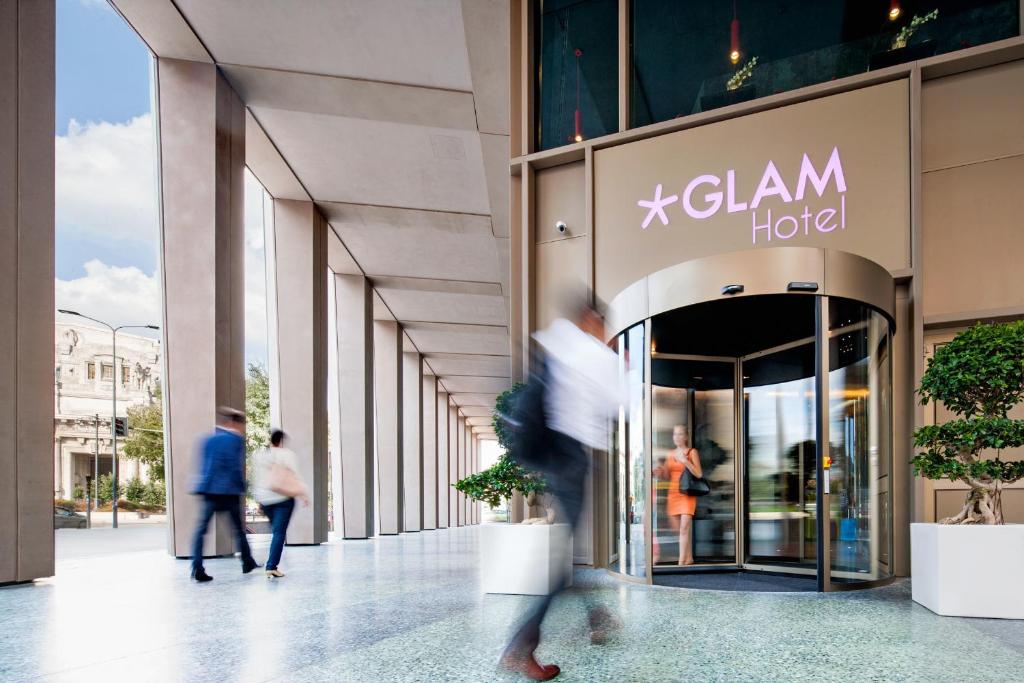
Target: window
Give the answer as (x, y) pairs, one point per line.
(577, 71)
(126, 374)
(90, 370)
(699, 55)
(106, 372)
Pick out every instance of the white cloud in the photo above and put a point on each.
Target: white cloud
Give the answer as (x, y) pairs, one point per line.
(117, 295)
(106, 180)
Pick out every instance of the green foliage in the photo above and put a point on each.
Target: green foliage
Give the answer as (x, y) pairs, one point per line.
(78, 493)
(134, 489)
(979, 376)
(145, 441)
(154, 494)
(980, 372)
(500, 481)
(504, 405)
(257, 409)
(105, 488)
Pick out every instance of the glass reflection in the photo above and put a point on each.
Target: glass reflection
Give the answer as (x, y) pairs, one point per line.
(860, 442)
(780, 433)
(629, 458)
(693, 408)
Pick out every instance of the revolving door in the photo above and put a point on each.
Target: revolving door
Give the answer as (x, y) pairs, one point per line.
(779, 395)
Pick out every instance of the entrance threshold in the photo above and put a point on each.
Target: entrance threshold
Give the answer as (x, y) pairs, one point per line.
(738, 580)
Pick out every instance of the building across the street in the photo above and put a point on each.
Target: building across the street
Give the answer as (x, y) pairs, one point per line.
(84, 376)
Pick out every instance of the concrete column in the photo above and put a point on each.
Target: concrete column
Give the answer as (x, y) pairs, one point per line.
(443, 473)
(387, 382)
(353, 483)
(412, 433)
(26, 289)
(202, 155)
(298, 327)
(463, 459)
(474, 469)
(429, 423)
(454, 516)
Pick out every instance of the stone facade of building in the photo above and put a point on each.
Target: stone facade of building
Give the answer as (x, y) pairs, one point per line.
(84, 375)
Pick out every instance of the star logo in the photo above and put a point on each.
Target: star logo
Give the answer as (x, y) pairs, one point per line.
(656, 207)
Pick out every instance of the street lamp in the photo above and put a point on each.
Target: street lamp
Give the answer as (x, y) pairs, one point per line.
(113, 418)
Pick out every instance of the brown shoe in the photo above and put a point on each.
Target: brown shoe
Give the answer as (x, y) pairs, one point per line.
(526, 664)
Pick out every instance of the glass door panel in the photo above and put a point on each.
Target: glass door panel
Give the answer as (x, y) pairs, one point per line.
(780, 467)
(629, 503)
(860, 442)
(693, 406)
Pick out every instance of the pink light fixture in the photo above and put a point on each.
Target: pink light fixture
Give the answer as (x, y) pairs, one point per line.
(578, 130)
(734, 36)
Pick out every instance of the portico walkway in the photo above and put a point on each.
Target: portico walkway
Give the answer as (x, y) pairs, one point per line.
(408, 608)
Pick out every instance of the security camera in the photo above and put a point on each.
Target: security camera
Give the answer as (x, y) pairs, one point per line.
(561, 227)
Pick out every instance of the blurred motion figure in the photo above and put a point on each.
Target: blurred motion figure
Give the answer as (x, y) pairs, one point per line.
(564, 410)
(221, 483)
(277, 487)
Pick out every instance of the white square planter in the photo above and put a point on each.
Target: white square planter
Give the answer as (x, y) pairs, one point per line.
(524, 559)
(968, 571)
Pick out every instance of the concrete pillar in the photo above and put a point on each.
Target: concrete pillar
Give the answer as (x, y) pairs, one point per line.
(26, 289)
(454, 516)
(412, 433)
(429, 424)
(202, 156)
(463, 517)
(443, 473)
(475, 467)
(387, 383)
(297, 324)
(353, 483)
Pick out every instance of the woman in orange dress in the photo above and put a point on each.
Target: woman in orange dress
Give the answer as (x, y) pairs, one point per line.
(681, 507)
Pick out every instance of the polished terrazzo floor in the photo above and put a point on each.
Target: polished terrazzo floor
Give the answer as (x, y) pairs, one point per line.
(409, 608)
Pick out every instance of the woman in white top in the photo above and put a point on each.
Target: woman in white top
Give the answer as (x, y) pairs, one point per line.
(277, 487)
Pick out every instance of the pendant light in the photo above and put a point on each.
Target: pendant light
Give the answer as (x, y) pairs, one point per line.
(578, 130)
(894, 10)
(734, 36)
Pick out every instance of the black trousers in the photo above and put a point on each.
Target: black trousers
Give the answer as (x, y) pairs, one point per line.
(212, 504)
(565, 471)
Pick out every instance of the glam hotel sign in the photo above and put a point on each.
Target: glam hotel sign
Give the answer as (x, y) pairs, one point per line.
(832, 172)
(803, 208)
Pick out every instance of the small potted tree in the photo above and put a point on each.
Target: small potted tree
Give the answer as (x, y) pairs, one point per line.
(969, 564)
(521, 559)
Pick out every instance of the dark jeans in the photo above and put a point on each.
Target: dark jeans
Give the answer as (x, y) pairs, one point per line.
(279, 515)
(212, 504)
(565, 472)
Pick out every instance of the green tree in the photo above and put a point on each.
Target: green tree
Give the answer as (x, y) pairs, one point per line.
(145, 441)
(499, 482)
(504, 406)
(979, 376)
(105, 488)
(134, 490)
(257, 408)
(155, 494)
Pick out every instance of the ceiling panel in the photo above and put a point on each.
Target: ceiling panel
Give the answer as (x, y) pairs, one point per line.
(479, 366)
(353, 98)
(476, 385)
(432, 337)
(420, 42)
(410, 305)
(477, 412)
(361, 161)
(474, 399)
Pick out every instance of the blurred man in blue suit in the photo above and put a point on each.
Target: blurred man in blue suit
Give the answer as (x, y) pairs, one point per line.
(222, 485)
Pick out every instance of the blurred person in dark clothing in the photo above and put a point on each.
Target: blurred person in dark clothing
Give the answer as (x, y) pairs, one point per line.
(221, 483)
(563, 411)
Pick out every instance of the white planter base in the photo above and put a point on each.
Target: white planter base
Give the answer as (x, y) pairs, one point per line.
(968, 571)
(524, 559)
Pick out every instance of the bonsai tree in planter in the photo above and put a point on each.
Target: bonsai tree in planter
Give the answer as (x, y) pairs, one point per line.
(499, 482)
(979, 376)
(505, 477)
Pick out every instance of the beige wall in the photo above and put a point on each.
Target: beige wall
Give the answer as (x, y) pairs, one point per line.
(972, 198)
(560, 259)
(870, 129)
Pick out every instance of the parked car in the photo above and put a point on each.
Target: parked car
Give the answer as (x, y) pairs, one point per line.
(65, 518)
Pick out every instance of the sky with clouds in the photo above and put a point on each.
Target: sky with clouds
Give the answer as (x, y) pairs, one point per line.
(107, 222)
